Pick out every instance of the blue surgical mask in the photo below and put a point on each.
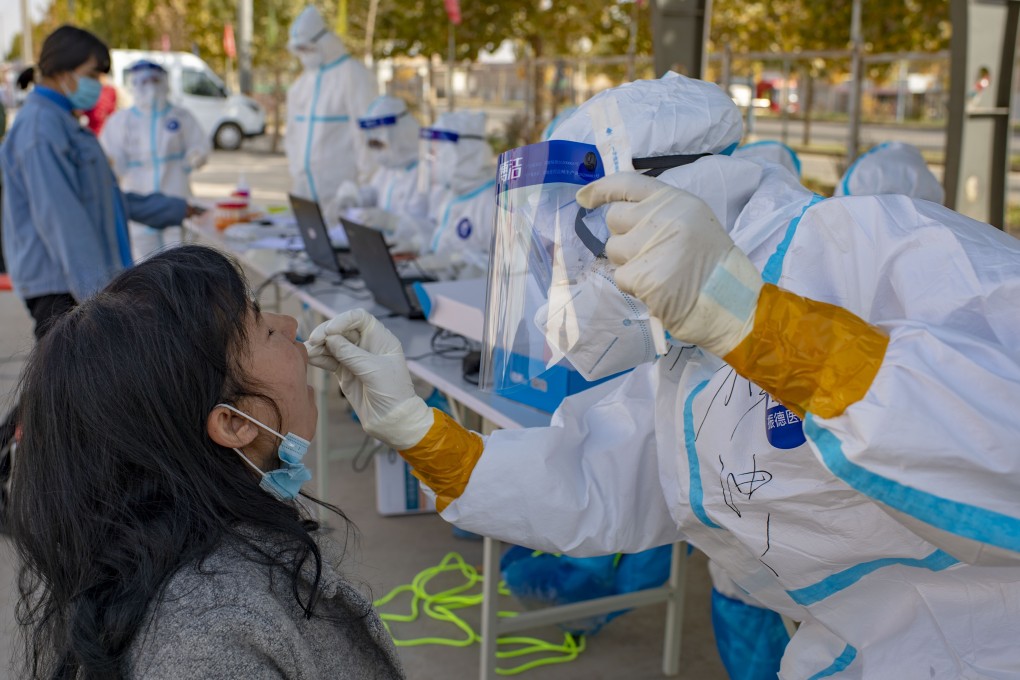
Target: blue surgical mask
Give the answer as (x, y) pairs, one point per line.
(285, 482)
(85, 97)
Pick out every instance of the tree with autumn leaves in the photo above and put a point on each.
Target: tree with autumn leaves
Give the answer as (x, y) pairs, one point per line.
(538, 28)
(541, 28)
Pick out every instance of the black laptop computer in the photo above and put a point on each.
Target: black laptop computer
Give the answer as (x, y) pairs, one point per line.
(379, 272)
(315, 236)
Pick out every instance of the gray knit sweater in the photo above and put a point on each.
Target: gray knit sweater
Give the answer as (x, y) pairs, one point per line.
(235, 618)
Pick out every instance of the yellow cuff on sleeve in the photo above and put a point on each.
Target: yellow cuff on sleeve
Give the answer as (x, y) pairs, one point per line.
(810, 356)
(445, 458)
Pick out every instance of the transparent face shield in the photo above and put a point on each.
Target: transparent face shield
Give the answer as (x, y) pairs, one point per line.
(437, 157)
(552, 299)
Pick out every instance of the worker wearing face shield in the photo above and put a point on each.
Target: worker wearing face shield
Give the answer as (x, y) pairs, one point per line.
(323, 146)
(154, 146)
(389, 201)
(457, 174)
(832, 425)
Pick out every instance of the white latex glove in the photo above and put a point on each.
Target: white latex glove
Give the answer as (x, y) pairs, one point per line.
(195, 159)
(377, 218)
(368, 195)
(674, 256)
(369, 363)
(347, 196)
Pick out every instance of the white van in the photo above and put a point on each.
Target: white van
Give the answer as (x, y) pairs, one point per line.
(228, 118)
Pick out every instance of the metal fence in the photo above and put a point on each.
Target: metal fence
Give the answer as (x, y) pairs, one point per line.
(791, 90)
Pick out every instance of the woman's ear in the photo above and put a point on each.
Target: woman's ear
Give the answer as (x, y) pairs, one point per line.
(228, 429)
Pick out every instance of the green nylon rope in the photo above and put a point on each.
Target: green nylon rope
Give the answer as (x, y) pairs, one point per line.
(441, 606)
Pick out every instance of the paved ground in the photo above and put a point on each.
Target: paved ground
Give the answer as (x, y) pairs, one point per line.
(391, 551)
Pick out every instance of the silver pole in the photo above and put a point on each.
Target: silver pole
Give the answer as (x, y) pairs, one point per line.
(785, 101)
(244, 57)
(901, 92)
(26, 34)
(857, 76)
(451, 58)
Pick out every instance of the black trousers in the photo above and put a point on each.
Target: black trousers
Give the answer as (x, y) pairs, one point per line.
(44, 309)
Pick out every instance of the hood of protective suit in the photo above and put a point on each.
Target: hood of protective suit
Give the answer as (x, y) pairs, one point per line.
(555, 122)
(891, 168)
(463, 164)
(312, 42)
(670, 116)
(388, 121)
(148, 84)
(770, 151)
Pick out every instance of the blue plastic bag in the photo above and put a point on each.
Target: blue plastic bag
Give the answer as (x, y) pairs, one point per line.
(751, 640)
(540, 579)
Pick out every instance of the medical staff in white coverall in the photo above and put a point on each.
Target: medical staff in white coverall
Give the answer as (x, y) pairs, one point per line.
(463, 202)
(883, 512)
(390, 200)
(891, 168)
(323, 145)
(154, 146)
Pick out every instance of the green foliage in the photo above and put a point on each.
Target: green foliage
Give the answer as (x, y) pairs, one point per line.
(187, 25)
(790, 25)
(556, 28)
(541, 28)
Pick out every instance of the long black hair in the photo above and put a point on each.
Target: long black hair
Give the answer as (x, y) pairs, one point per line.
(116, 484)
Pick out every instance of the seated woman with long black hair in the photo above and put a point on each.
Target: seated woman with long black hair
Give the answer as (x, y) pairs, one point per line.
(154, 495)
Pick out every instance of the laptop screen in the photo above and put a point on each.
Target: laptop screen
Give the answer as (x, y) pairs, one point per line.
(313, 232)
(368, 246)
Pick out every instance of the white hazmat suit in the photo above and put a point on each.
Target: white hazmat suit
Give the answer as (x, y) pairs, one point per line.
(891, 168)
(770, 151)
(154, 146)
(323, 145)
(463, 208)
(883, 515)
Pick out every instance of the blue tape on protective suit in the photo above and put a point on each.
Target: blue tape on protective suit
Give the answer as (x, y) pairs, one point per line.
(969, 521)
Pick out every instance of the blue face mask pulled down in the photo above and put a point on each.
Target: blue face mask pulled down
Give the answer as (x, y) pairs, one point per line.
(285, 482)
(85, 97)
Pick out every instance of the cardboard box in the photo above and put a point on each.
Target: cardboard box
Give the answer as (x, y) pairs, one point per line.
(397, 491)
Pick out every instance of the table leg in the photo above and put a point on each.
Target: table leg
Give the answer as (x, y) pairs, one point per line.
(322, 382)
(490, 608)
(675, 610)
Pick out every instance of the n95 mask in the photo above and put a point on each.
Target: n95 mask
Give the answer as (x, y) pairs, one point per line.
(600, 329)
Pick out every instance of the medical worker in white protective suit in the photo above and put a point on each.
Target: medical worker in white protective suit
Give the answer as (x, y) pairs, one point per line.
(834, 422)
(323, 146)
(564, 114)
(390, 200)
(460, 171)
(153, 146)
(770, 151)
(891, 168)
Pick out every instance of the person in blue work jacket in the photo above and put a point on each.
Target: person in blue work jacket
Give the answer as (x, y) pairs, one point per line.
(65, 219)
